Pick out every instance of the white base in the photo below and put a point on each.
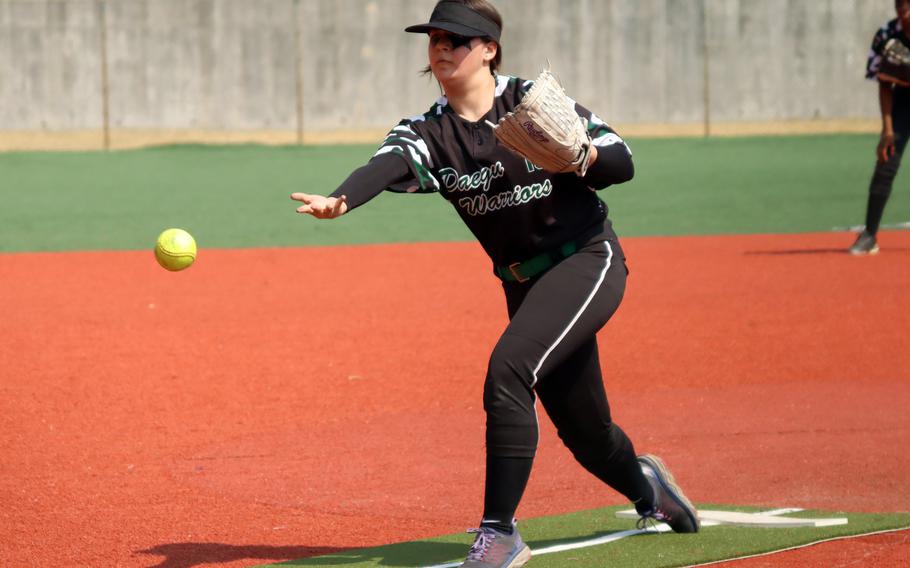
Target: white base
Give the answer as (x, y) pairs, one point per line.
(767, 519)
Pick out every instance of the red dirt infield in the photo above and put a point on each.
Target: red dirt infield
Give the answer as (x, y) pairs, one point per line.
(271, 404)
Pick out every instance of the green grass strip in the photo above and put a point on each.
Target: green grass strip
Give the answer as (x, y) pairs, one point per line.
(225, 196)
(653, 550)
(237, 196)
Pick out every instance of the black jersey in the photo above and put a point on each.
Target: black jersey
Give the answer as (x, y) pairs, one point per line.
(515, 209)
(891, 29)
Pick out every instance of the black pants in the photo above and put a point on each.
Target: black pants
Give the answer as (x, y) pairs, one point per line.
(549, 348)
(885, 172)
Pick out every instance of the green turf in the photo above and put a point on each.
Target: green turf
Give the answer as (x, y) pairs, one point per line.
(237, 196)
(226, 196)
(653, 550)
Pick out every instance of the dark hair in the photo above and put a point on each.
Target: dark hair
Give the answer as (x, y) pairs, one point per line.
(489, 11)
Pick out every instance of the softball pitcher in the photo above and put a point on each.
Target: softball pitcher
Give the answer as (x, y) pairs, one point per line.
(551, 243)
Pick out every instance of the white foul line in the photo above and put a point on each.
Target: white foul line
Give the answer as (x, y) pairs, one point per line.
(887, 226)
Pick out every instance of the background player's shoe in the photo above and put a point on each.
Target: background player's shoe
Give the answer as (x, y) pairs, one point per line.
(670, 505)
(496, 549)
(865, 244)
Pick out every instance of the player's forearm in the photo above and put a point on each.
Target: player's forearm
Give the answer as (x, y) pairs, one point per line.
(885, 103)
(368, 181)
(613, 165)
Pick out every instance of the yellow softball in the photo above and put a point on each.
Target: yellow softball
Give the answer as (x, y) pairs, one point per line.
(175, 249)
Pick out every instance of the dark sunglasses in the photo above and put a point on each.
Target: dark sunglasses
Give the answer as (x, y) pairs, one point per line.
(455, 39)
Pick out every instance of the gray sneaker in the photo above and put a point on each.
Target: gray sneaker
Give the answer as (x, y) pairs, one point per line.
(670, 505)
(865, 244)
(496, 549)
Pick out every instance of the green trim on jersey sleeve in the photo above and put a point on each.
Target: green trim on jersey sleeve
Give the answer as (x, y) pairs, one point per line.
(423, 178)
(602, 134)
(598, 128)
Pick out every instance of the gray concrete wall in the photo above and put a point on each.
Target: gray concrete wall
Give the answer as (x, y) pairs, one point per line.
(345, 64)
(787, 59)
(50, 71)
(202, 64)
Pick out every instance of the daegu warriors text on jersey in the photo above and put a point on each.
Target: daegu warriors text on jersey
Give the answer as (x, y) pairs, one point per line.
(515, 209)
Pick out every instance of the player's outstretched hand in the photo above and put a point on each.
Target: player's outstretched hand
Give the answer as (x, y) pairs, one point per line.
(320, 206)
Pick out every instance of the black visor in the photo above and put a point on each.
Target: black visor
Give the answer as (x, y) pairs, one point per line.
(456, 18)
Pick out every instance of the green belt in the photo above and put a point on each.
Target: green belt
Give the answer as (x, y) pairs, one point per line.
(524, 271)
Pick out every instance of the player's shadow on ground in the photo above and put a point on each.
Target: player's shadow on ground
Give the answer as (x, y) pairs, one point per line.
(403, 555)
(785, 252)
(837, 251)
(190, 554)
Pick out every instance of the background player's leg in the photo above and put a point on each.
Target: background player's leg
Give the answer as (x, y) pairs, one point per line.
(884, 174)
(881, 185)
